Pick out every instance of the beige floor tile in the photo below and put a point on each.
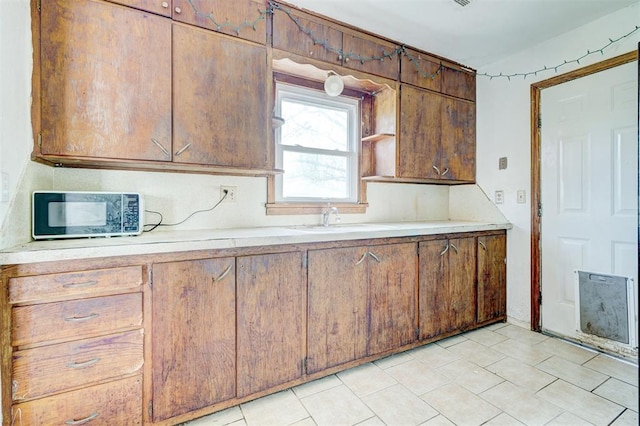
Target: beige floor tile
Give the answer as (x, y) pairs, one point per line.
(503, 420)
(392, 360)
(496, 326)
(398, 406)
(578, 375)
(521, 404)
(277, 409)
(521, 374)
(240, 422)
(628, 418)
(418, 377)
(614, 367)
(460, 406)
(224, 417)
(305, 422)
(524, 352)
(373, 421)
(366, 379)
(317, 386)
(434, 355)
(581, 403)
(619, 392)
(453, 340)
(470, 376)
(486, 337)
(439, 420)
(522, 334)
(476, 353)
(568, 419)
(336, 407)
(569, 351)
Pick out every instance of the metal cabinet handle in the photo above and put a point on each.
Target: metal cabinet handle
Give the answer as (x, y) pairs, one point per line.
(437, 170)
(165, 4)
(82, 421)
(183, 149)
(446, 170)
(159, 145)
(482, 245)
(83, 364)
(453, 246)
(376, 258)
(446, 249)
(78, 285)
(224, 274)
(84, 318)
(178, 10)
(364, 256)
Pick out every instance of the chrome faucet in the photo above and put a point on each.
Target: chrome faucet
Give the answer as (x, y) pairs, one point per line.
(326, 215)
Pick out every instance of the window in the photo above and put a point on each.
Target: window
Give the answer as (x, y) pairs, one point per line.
(317, 147)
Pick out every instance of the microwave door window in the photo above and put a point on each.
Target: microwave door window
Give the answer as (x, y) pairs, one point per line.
(77, 214)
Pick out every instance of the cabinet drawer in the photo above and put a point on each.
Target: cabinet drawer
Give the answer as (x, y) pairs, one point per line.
(71, 285)
(114, 403)
(51, 369)
(75, 319)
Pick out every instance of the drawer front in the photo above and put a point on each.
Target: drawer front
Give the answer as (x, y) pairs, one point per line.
(114, 403)
(75, 319)
(50, 369)
(72, 285)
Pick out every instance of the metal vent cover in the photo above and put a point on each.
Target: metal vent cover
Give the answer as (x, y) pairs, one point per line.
(463, 2)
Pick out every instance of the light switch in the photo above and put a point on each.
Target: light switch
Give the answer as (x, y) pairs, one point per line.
(502, 163)
(522, 196)
(499, 197)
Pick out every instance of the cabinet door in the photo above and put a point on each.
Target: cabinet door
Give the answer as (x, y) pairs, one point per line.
(417, 69)
(219, 100)
(96, 100)
(447, 286)
(160, 7)
(367, 47)
(458, 140)
(492, 277)
(194, 339)
(393, 278)
(418, 146)
(239, 18)
(289, 37)
(337, 306)
(461, 84)
(270, 321)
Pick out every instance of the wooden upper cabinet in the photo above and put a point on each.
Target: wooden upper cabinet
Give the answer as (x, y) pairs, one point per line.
(458, 140)
(240, 18)
(105, 81)
(366, 53)
(193, 335)
(288, 36)
(160, 7)
(459, 83)
(492, 277)
(420, 70)
(219, 100)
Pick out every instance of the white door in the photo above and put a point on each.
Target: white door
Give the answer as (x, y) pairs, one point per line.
(589, 193)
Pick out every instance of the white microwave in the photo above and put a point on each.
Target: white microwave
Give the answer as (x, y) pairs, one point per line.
(75, 214)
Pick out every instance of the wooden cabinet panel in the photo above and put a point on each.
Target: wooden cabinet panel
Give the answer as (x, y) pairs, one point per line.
(492, 277)
(71, 285)
(367, 47)
(193, 335)
(159, 7)
(219, 100)
(420, 133)
(458, 140)
(420, 70)
(96, 100)
(337, 307)
(75, 319)
(393, 277)
(461, 84)
(270, 321)
(288, 36)
(37, 372)
(447, 286)
(240, 18)
(114, 403)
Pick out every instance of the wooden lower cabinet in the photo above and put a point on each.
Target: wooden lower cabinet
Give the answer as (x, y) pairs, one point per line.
(270, 321)
(193, 335)
(361, 302)
(492, 277)
(447, 289)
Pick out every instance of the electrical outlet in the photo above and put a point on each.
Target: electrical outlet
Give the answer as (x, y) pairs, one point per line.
(499, 197)
(502, 163)
(231, 193)
(522, 196)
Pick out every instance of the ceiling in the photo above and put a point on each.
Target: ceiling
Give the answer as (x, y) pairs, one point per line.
(475, 35)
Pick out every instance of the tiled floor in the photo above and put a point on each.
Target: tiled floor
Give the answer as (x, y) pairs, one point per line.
(499, 375)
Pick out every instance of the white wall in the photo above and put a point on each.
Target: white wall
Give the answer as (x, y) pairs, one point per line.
(503, 130)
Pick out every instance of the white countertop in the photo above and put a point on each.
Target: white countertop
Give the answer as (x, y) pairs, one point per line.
(208, 239)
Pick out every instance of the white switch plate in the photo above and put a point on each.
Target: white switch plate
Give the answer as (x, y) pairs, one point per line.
(499, 197)
(522, 196)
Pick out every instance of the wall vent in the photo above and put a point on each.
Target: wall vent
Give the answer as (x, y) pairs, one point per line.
(463, 2)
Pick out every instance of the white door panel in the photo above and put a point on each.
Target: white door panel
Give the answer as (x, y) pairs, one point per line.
(589, 193)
